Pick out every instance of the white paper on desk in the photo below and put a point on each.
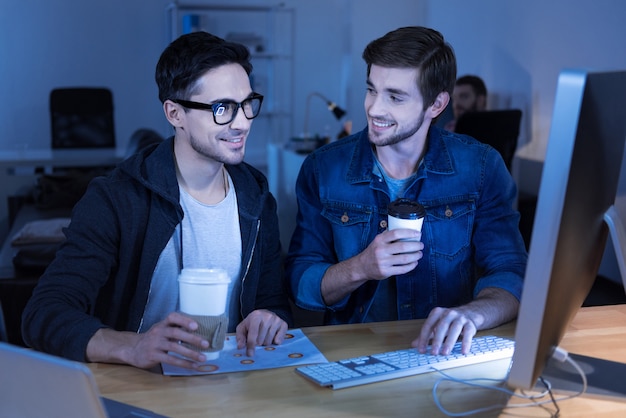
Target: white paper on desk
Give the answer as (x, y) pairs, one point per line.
(295, 350)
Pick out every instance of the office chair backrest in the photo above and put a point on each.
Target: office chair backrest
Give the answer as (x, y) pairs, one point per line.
(498, 128)
(82, 118)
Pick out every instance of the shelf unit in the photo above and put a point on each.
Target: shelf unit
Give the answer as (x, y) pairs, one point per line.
(268, 32)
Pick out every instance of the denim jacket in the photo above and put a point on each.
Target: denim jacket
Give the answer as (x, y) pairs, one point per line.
(470, 233)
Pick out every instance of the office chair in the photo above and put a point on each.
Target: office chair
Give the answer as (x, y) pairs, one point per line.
(498, 128)
(82, 117)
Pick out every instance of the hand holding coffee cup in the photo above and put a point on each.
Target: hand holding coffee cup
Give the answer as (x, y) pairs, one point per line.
(204, 295)
(405, 213)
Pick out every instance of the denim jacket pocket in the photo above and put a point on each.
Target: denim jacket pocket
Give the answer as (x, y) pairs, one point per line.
(351, 228)
(450, 227)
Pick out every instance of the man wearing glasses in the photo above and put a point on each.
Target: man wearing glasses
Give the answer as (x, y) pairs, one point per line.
(111, 294)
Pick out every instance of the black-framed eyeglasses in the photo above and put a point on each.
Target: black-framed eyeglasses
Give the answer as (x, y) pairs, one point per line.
(224, 112)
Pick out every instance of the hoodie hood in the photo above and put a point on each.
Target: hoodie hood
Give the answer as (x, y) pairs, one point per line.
(154, 168)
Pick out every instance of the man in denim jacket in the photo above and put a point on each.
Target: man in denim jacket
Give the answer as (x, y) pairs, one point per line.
(466, 274)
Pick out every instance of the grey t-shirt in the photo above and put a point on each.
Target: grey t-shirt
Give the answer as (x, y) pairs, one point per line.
(207, 237)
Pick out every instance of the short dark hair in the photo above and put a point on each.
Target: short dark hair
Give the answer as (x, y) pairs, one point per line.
(189, 57)
(416, 47)
(477, 83)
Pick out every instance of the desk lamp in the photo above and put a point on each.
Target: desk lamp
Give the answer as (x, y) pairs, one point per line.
(332, 106)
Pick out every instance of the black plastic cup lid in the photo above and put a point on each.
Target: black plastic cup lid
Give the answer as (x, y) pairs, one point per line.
(406, 209)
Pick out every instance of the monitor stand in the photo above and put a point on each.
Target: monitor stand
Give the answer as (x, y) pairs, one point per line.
(604, 378)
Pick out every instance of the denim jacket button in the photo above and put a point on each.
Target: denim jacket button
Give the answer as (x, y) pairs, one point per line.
(448, 212)
(345, 218)
(383, 224)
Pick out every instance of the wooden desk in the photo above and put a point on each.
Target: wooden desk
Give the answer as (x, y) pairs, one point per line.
(281, 392)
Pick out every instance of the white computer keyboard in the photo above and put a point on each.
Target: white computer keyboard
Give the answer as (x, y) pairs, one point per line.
(401, 363)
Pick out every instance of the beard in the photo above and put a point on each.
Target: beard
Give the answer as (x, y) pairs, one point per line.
(229, 157)
(398, 136)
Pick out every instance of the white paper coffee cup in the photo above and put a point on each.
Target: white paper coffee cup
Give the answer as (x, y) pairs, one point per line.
(204, 295)
(405, 213)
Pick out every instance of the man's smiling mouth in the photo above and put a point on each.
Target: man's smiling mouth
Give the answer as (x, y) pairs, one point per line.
(232, 140)
(381, 124)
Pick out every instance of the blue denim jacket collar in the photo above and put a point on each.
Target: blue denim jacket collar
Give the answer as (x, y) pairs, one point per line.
(436, 159)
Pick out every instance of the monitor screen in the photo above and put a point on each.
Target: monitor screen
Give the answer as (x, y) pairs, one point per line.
(579, 185)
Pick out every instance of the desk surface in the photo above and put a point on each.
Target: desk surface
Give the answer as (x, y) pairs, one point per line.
(32, 161)
(281, 392)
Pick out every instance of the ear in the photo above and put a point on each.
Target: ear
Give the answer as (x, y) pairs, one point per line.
(174, 113)
(439, 105)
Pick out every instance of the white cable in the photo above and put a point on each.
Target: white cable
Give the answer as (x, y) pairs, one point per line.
(559, 354)
(536, 399)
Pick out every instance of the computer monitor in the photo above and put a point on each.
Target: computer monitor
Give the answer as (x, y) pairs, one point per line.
(579, 203)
